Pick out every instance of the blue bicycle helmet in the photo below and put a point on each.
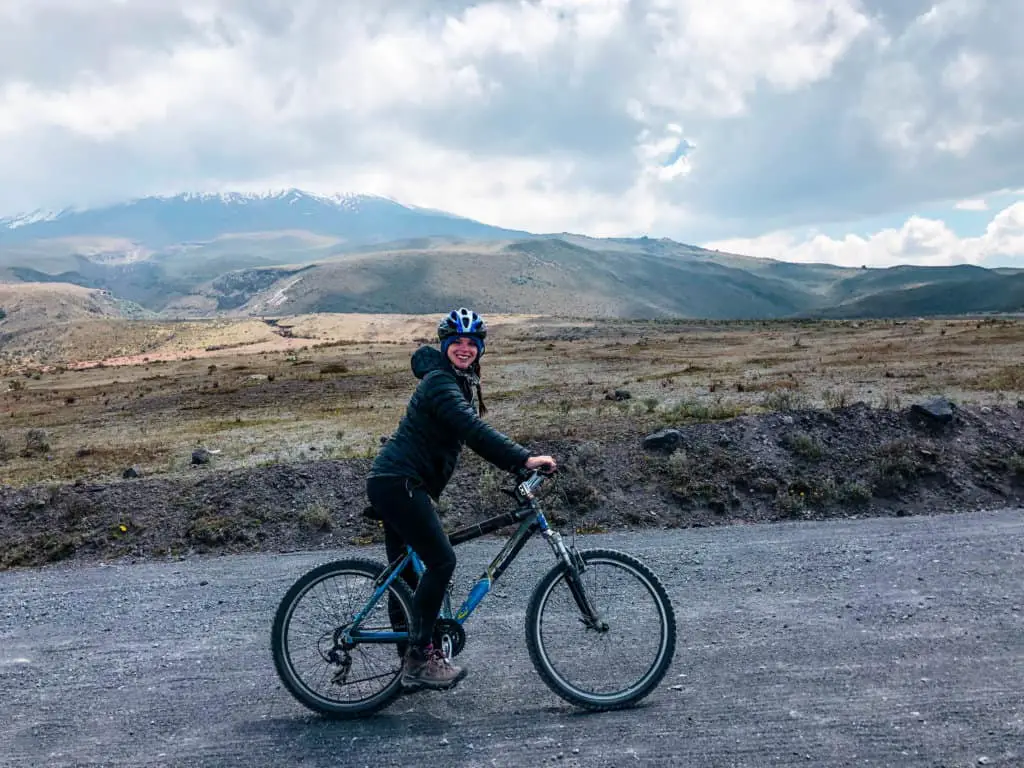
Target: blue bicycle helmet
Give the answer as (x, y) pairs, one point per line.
(462, 322)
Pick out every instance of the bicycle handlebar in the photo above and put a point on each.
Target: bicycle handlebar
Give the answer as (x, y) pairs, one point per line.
(531, 479)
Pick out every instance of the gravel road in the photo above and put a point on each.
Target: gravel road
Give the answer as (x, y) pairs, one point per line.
(895, 642)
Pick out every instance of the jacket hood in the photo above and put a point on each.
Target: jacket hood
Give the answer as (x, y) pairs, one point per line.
(427, 359)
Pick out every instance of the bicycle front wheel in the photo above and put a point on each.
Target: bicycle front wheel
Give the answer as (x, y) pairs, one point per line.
(310, 655)
(619, 662)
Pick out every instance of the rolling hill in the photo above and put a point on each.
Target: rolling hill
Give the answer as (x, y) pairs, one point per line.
(34, 316)
(964, 293)
(292, 252)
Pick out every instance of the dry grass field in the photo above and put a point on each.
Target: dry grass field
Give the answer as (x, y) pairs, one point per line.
(85, 400)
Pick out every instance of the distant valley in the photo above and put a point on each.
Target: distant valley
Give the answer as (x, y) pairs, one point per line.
(293, 253)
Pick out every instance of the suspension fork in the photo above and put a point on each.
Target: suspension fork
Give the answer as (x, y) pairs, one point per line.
(574, 566)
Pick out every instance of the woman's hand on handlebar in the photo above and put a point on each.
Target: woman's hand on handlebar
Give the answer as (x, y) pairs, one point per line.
(546, 464)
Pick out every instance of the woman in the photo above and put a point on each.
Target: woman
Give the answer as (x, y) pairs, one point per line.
(415, 464)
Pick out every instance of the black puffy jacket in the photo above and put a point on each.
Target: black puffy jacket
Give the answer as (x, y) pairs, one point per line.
(440, 419)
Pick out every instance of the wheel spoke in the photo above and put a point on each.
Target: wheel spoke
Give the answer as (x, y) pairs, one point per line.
(364, 677)
(618, 663)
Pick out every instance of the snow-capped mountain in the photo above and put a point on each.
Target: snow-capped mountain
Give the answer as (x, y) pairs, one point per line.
(161, 221)
(290, 252)
(24, 219)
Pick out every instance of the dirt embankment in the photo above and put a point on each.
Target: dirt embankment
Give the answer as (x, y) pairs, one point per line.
(847, 462)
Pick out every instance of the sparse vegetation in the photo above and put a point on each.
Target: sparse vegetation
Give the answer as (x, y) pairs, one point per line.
(36, 443)
(1006, 378)
(694, 410)
(260, 405)
(678, 466)
(854, 492)
(317, 516)
(575, 493)
(271, 418)
(784, 400)
(802, 444)
(897, 464)
(792, 503)
(838, 397)
(213, 530)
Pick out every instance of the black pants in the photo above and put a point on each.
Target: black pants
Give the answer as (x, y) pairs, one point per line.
(410, 518)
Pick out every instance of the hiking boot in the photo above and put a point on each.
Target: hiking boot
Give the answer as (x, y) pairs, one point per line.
(428, 668)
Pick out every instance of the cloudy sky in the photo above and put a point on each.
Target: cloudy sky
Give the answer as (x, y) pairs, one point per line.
(848, 131)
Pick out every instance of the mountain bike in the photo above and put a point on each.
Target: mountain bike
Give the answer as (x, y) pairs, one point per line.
(355, 614)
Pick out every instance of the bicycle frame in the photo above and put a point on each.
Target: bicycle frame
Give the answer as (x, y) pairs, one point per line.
(531, 520)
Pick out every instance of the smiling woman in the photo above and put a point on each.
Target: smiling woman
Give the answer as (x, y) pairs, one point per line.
(462, 353)
(413, 468)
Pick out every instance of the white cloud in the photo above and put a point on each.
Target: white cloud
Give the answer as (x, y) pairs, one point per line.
(971, 205)
(545, 202)
(920, 241)
(684, 118)
(712, 56)
(921, 115)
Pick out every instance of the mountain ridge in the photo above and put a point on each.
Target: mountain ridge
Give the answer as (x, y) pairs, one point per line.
(160, 221)
(291, 251)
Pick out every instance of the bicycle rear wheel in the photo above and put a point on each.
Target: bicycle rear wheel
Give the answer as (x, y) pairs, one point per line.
(617, 664)
(312, 662)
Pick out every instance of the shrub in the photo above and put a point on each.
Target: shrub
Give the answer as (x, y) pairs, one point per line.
(854, 492)
(697, 411)
(783, 400)
(579, 495)
(803, 444)
(836, 398)
(588, 454)
(896, 467)
(317, 516)
(792, 504)
(36, 442)
(492, 498)
(212, 530)
(678, 467)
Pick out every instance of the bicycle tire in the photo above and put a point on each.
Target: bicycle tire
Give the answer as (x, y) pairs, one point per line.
(565, 688)
(279, 640)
